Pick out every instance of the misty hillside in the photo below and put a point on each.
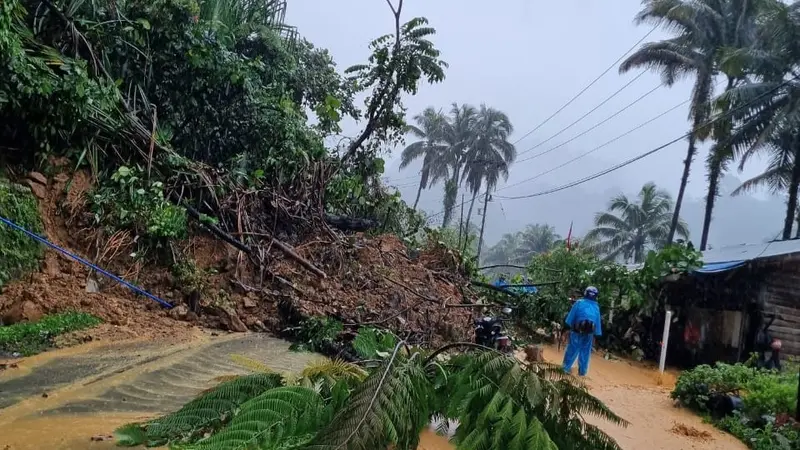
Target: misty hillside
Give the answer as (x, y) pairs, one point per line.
(737, 220)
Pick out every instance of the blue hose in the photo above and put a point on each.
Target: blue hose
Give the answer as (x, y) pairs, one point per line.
(119, 280)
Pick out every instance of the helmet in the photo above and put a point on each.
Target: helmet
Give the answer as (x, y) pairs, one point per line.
(591, 292)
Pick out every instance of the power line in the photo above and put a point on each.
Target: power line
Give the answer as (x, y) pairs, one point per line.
(648, 153)
(607, 99)
(613, 65)
(645, 154)
(605, 144)
(595, 126)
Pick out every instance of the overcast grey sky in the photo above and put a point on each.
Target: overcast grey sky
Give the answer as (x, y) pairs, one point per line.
(527, 58)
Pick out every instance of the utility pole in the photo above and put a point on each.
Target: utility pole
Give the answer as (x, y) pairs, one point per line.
(461, 221)
(483, 221)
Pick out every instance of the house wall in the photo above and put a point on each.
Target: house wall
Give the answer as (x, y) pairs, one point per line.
(780, 295)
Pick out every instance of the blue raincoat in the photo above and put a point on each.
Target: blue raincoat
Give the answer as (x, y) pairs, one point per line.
(580, 345)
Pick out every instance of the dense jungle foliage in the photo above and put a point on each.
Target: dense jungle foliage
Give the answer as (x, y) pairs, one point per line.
(208, 105)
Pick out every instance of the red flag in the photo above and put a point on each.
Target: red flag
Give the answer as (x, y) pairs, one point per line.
(569, 236)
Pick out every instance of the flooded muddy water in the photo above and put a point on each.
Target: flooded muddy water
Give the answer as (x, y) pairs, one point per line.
(73, 399)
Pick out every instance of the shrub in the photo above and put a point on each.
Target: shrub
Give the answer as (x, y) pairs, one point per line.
(18, 252)
(31, 338)
(695, 387)
(131, 201)
(771, 394)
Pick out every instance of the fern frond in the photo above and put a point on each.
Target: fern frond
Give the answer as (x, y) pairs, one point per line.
(389, 407)
(203, 414)
(280, 418)
(251, 364)
(333, 369)
(581, 402)
(371, 343)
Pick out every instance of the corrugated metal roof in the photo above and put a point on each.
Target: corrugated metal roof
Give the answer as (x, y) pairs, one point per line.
(748, 252)
(719, 267)
(737, 255)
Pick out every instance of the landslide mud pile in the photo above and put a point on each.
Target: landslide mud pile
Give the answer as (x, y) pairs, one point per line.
(367, 281)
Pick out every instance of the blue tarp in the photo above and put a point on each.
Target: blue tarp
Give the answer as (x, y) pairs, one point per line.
(720, 266)
(520, 290)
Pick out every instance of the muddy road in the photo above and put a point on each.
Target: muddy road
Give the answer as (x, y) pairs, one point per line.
(73, 399)
(640, 396)
(64, 399)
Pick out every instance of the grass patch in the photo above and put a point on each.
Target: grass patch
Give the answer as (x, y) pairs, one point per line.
(19, 254)
(31, 338)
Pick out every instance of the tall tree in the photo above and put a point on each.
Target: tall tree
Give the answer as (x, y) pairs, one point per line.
(675, 58)
(534, 239)
(430, 147)
(489, 154)
(766, 110)
(629, 228)
(458, 134)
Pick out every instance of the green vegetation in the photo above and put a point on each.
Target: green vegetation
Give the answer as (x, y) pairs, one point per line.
(179, 103)
(630, 228)
(18, 253)
(626, 293)
(500, 403)
(752, 45)
(769, 402)
(520, 247)
(30, 338)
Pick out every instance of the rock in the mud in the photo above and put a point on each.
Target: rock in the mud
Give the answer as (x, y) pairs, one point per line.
(249, 302)
(38, 190)
(38, 177)
(179, 312)
(21, 312)
(254, 324)
(231, 320)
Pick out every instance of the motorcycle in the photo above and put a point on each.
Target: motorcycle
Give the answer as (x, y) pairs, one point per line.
(489, 333)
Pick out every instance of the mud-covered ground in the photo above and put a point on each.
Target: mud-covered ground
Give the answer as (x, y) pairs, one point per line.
(640, 396)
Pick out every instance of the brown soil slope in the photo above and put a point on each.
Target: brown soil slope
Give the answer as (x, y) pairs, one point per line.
(369, 280)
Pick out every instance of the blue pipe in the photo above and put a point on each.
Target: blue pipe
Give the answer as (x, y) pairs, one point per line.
(119, 280)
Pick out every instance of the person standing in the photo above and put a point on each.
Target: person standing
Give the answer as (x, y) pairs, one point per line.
(583, 323)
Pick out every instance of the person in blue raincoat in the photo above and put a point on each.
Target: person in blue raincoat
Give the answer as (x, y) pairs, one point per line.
(583, 323)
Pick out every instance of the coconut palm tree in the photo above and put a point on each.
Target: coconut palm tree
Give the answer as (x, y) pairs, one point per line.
(489, 154)
(686, 54)
(505, 251)
(430, 147)
(767, 109)
(537, 238)
(458, 133)
(629, 228)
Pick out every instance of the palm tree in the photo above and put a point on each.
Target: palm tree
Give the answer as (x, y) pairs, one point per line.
(767, 110)
(489, 154)
(778, 175)
(629, 228)
(538, 238)
(687, 54)
(730, 27)
(458, 133)
(435, 166)
(505, 251)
